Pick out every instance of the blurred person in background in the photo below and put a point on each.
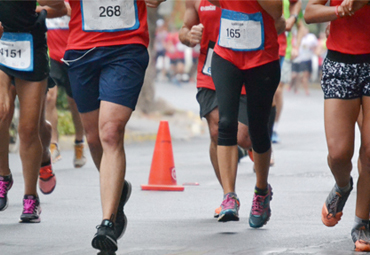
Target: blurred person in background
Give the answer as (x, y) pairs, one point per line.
(58, 31)
(302, 64)
(160, 49)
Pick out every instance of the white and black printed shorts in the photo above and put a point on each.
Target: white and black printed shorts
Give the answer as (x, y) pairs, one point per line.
(345, 81)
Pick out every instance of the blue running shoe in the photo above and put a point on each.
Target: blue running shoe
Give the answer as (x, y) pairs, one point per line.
(229, 209)
(275, 137)
(260, 212)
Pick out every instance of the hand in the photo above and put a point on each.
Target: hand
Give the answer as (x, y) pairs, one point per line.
(153, 3)
(354, 5)
(289, 23)
(344, 9)
(195, 34)
(294, 53)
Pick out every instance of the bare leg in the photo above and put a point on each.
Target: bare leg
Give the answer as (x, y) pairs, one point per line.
(31, 99)
(76, 119)
(7, 96)
(51, 113)
(112, 122)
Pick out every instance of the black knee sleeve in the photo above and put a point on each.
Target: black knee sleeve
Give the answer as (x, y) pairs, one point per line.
(227, 132)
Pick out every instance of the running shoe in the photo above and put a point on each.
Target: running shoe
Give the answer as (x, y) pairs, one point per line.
(275, 137)
(6, 182)
(79, 159)
(121, 220)
(361, 238)
(31, 209)
(55, 153)
(105, 239)
(241, 153)
(261, 211)
(332, 210)
(229, 209)
(217, 212)
(47, 180)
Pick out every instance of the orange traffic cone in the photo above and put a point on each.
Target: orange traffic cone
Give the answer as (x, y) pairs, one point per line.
(162, 172)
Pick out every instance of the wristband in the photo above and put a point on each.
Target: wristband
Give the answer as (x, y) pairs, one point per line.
(336, 11)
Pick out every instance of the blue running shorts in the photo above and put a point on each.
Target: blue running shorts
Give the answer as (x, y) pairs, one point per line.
(114, 74)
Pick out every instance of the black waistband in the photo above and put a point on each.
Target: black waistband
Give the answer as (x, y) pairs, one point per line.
(348, 58)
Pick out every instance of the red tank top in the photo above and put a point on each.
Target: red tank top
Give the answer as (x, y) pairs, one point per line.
(101, 23)
(58, 33)
(268, 50)
(209, 16)
(282, 44)
(350, 35)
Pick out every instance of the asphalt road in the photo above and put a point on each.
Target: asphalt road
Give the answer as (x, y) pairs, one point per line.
(182, 222)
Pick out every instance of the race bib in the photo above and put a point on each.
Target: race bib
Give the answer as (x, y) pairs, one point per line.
(109, 15)
(16, 51)
(58, 23)
(241, 31)
(207, 64)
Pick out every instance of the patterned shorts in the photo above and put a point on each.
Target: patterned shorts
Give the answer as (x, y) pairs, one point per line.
(345, 81)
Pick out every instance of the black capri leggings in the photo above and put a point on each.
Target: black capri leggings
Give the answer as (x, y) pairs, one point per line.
(260, 83)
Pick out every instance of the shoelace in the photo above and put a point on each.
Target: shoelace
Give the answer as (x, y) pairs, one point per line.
(3, 188)
(257, 207)
(229, 203)
(29, 205)
(332, 208)
(45, 172)
(363, 235)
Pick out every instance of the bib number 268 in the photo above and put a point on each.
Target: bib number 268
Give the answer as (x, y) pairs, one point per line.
(110, 11)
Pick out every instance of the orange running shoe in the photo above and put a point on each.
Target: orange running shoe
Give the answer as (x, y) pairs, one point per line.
(331, 212)
(361, 238)
(47, 180)
(217, 212)
(79, 159)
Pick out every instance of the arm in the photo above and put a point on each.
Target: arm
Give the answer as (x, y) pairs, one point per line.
(153, 3)
(294, 9)
(273, 7)
(57, 4)
(53, 12)
(280, 25)
(215, 2)
(317, 12)
(191, 32)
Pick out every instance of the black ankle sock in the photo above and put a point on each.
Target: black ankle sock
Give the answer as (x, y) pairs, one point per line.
(46, 163)
(79, 141)
(259, 191)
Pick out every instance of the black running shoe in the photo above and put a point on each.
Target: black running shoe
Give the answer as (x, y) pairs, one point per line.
(6, 183)
(121, 220)
(31, 210)
(105, 239)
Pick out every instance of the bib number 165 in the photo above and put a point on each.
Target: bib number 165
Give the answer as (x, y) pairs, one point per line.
(233, 33)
